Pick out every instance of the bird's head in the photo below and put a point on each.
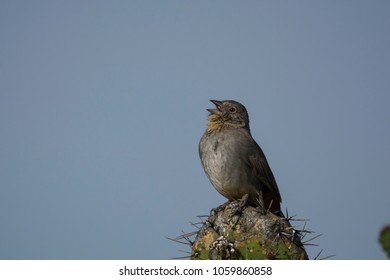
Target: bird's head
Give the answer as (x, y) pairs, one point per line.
(227, 113)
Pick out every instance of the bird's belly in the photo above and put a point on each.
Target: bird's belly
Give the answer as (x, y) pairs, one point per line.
(225, 174)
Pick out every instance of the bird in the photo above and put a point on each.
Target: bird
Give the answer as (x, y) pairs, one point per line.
(232, 160)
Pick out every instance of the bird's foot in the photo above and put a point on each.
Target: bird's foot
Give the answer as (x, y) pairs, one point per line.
(238, 206)
(243, 201)
(220, 208)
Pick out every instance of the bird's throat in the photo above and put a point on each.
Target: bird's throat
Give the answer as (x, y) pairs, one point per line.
(214, 123)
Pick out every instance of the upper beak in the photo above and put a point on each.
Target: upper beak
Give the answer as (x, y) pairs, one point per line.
(218, 109)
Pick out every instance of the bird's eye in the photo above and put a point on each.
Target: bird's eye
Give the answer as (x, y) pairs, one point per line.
(232, 109)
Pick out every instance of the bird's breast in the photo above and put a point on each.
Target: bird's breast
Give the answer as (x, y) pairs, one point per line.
(222, 163)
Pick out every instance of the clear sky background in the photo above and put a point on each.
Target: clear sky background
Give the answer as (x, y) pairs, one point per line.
(103, 103)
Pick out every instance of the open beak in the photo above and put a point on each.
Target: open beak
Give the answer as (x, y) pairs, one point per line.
(218, 109)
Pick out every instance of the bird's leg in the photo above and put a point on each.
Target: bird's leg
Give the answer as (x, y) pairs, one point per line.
(238, 206)
(243, 201)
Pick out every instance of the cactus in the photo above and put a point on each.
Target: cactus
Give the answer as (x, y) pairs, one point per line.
(237, 232)
(384, 239)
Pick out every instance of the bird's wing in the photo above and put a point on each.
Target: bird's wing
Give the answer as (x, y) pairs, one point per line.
(262, 171)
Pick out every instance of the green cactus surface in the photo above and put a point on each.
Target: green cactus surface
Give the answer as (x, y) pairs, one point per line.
(247, 234)
(384, 240)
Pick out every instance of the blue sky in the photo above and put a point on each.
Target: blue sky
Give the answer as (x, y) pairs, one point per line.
(103, 103)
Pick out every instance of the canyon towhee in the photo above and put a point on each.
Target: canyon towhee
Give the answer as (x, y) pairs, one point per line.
(233, 161)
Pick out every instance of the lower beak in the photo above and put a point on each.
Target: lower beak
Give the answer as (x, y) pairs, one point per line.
(218, 110)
